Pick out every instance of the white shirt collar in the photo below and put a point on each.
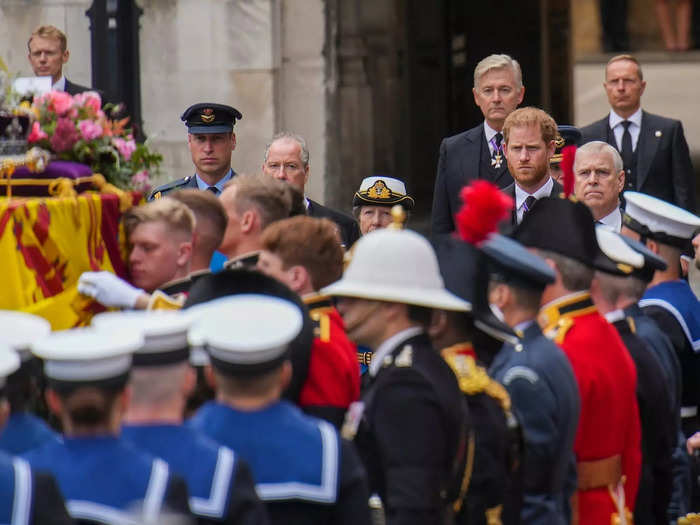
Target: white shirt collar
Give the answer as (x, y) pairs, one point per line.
(635, 118)
(613, 219)
(615, 315)
(60, 84)
(306, 203)
(388, 345)
(219, 185)
(521, 327)
(489, 132)
(543, 191)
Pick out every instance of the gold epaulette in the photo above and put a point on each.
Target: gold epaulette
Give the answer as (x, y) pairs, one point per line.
(322, 324)
(557, 333)
(473, 379)
(690, 519)
(162, 301)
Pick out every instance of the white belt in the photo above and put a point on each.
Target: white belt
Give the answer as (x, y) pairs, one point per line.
(689, 411)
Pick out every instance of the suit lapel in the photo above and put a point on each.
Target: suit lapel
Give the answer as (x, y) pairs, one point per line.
(510, 191)
(471, 154)
(647, 144)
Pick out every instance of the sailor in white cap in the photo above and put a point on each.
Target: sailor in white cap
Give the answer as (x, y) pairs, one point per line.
(658, 416)
(412, 421)
(373, 201)
(24, 430)
(305, 473)
(103, 478)
(26, 497)
(667, 231)
(218, 481)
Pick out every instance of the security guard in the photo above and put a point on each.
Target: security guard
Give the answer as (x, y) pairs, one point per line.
(305, 473)
(412, 423)
(103, 478)
(468, 340)
(211, 141)
(667, 230)
(539, 379)
(659, 424)
(26, 497)
(219, 483)
(607, 440)
(24, 430)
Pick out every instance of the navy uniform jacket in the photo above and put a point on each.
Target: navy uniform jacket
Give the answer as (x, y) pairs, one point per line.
(219, 483)
(24, 432)
(304, 472)
(658, 429)
(545, 398)
(660, 344)
(189, 182)
(106, 480)
(28, 497)
(413, 434)
(663, 167)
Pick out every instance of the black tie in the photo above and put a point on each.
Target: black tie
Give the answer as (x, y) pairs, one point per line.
(626, 154)
(213, 189)
(529, 202)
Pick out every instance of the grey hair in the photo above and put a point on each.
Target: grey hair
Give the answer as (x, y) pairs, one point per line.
(598, 146)
(288, 135)
(498, 62)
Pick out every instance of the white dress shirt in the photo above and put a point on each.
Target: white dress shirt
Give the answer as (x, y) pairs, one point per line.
(615, 122)
(60, 84)
(613, 220)
(521, 195)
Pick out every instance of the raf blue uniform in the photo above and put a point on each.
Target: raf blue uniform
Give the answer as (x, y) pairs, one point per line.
(545, 398)
(28, 497)
(220, 485)
(103, 478)
(304, 472)
(23, 432)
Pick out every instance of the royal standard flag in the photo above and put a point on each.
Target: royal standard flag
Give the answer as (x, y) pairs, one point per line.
(45, 244)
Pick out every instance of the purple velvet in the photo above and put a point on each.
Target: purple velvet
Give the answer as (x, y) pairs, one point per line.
(54, 170)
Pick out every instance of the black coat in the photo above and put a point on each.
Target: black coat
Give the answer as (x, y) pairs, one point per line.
(659, 434)
(349, 229)
(458, 165)
(73, 89)
(413, 434)
(663, 168)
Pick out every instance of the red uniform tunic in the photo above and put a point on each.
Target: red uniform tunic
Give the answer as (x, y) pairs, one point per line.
(609, 421)
(333, 381)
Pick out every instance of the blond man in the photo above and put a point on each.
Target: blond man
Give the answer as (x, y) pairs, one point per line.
(48, 52)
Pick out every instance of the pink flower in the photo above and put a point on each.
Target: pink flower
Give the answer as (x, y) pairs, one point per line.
(60, 102)
(37, 133)
(125, 147)
(141, 181)
(65, 136)
(89, 130)
(89, 99)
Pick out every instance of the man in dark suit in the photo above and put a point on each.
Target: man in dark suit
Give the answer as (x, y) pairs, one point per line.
(287, 159)
(598, 180)
(478, 152)
(653, 148)
(529, 135)
(48, 51)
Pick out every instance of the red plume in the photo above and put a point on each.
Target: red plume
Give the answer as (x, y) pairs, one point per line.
(568, 153)
(484, 207)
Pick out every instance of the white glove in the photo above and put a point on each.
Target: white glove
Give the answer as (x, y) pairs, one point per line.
(108, 289)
